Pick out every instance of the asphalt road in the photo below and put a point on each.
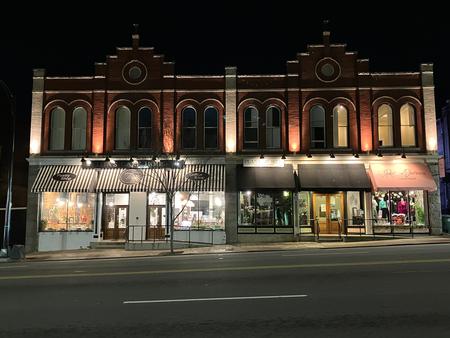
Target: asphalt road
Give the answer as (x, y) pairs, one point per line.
(399, 291)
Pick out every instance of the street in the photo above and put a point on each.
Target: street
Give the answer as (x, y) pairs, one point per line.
(401, 291)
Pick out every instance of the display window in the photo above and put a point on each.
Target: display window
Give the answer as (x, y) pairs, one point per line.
(200, 210)
(62, 211)
(398, 207)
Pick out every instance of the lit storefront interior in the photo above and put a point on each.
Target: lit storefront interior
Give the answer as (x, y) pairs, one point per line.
(399, 199)
(331, 198)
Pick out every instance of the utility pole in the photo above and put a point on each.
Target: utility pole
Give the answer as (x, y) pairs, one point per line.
(7, 225)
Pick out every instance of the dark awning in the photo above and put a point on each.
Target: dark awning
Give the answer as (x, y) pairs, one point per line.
(250, 178)
(333, 177)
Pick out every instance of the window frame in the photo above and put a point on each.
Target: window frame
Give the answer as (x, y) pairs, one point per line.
(272, 128)
(85, 128)
(385, 126)
(245, 128)
(149, 127)
(192, 127)
(52, 131)
(324, 141)
(216, 127)
(116, 130)
(336, 126)
(414, 125)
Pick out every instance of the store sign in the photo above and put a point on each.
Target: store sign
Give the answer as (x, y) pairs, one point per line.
(402, 176)
(263, 162)
(64, 177)
(131, 176)
(197, 176)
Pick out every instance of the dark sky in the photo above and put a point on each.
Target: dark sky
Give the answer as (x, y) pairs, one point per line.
(203, 37)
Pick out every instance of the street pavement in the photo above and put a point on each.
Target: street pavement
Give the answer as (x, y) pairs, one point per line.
(383, 291)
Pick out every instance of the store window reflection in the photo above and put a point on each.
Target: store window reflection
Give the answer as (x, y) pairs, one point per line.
(200, 210)
(273, 208)
(67, 212)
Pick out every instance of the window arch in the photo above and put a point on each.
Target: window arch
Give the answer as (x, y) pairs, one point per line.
(340, 126)
(123, 122)
(211, 127)
(79, 122)
(145, 128)
(57, 128)
(408, 125)
(189, 124)
(273, 127)
(317, 123)
(251, 136)
(385, 131)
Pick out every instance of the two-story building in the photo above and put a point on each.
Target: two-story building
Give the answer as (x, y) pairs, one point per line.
(328, 146)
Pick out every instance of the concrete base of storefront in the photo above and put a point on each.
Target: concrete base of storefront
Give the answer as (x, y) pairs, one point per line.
(265, 238)
(160, 245)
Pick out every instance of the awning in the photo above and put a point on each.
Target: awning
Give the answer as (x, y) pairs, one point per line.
(333, 177)
(64, 178)
(402, 176)
(147, 180)
(250, 178)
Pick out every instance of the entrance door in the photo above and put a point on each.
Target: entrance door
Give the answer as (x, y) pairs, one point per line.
(116, 222)
(328, 210)
(156, 222)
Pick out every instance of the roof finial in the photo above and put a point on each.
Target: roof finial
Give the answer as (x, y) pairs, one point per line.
(135, 36)
(326, 32)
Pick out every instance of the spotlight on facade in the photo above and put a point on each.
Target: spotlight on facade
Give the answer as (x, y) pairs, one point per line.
(403, 155)
(308, 155)
(283, 157)
(356, 155)
(177, 157)
(332, 155)
(261, 157)
(107, 159)
(83, 161)
(379, 154)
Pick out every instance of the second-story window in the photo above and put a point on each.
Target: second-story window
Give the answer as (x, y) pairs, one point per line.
(145, 128)
(251, 128)
(57, 128)
(123, 123)
(317, 118)
(408, 125)
(211, 122)
(385, 133)
(340, 126)
(189, 124)
(273, 128)
(79, 121)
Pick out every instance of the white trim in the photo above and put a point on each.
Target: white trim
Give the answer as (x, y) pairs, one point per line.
(69, 77)
(65, 91)
(200, 76)
(262, 90)
(261, 75)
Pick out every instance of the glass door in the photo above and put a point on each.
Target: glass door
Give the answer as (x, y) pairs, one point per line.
(156, 222)
(328, 211)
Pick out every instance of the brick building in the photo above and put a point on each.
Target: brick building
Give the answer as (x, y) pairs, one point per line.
(328, 146)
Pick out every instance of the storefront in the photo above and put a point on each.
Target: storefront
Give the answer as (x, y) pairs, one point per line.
(67, 207)
(399, 199)
(332, 198)
(266, 200)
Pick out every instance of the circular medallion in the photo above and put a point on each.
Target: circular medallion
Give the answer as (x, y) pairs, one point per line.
(131, 176)
(328, 70)
(134, 72)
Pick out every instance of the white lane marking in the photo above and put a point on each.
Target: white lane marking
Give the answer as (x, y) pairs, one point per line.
(326, 254)
(209, 299)
(12, 266)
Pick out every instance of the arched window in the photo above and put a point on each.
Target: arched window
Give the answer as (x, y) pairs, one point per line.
(211, 127)
(189, 123)
(385, 134)
(273, 128)
(317, 118)
(57, 128)
(340, 126)
(145, 128)
(408, 125)
(123, 117)
(79, 121)
(251, 128)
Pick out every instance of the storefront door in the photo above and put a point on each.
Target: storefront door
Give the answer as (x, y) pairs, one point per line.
(156, 222)
(328, 210)
(116, 222)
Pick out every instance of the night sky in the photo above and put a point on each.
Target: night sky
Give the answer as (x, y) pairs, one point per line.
(204, 37)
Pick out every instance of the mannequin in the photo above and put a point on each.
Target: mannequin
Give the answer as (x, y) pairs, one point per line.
(374, 208)
(382, 204)
(402, 206)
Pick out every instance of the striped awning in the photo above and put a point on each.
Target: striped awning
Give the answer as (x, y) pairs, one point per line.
(64, 178)
(141, 180)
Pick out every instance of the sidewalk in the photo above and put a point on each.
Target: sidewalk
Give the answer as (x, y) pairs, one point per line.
(228, 248)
